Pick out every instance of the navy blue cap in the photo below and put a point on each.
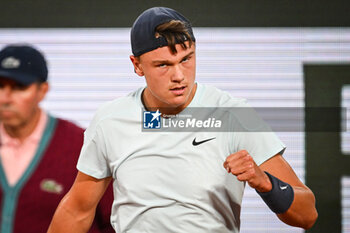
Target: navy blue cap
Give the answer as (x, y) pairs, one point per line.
(143, 31)
(23, 64)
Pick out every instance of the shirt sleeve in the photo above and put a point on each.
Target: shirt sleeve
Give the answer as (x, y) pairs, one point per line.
(260, 145)
(251, 133)
(93, 157)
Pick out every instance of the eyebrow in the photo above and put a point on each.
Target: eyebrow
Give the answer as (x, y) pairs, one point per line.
(170, 62)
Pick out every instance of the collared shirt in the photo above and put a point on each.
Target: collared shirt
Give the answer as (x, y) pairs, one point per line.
(16, 155)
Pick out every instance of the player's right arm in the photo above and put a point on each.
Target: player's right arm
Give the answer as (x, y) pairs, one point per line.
(76, 211)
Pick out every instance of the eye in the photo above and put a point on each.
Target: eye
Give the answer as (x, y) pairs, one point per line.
(162, 65)
(185, 59)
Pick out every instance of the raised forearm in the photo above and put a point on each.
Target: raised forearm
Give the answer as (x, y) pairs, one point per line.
(302, 212)
(294, 205)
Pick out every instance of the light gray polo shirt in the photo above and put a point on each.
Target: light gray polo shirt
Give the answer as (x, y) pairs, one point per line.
(162, 182)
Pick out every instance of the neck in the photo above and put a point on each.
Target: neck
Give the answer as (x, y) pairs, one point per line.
(22, 131)
(167, 110)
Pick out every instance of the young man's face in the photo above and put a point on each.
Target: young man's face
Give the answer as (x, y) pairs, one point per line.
(18, 103)
(170, 77)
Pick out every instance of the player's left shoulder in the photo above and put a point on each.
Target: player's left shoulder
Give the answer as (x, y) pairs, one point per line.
(214, 97)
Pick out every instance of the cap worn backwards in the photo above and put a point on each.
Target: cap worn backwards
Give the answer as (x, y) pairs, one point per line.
(23, 64)
(143, 37)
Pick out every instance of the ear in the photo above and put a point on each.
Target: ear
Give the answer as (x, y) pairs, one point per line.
(43, 89)
(137, 65)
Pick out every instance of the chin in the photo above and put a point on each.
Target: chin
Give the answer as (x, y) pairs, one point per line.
(177, 104)
(9, 122)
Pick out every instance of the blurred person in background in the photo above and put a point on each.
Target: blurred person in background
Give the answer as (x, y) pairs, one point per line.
(38, 152)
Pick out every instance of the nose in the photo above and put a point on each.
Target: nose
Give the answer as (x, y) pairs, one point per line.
(178, 75)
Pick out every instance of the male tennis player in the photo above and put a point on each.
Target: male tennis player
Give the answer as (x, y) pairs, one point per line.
(176, 181)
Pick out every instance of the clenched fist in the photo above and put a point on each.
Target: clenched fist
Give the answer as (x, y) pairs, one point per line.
(242, 165)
